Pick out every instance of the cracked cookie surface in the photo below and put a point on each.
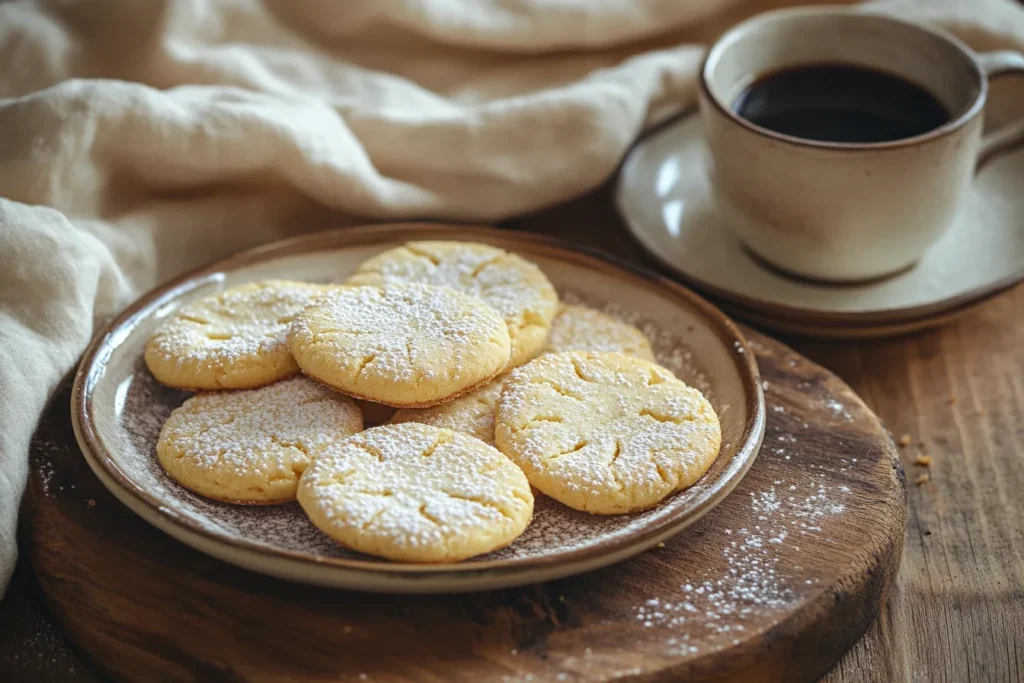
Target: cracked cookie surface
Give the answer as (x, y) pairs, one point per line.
(251, 446)
(416, 493)
(402, 344)
(604, 432)
(510, 284)
(578, 328)
(236, 339)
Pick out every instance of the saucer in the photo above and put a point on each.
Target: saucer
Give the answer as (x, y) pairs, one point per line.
(663, 196)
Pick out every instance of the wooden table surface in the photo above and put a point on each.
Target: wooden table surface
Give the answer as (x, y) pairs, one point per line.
(956, 611)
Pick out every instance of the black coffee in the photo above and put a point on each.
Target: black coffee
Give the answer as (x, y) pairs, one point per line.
(840, 103)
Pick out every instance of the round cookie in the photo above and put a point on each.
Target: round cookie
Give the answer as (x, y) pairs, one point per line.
(471, 414)
(604, 432)
(403, 345)
(510, 284)
(236, 339)
(577, 328)
(251, 446)
(416, 493)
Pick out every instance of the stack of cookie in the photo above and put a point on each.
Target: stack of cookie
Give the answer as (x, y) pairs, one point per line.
(428, 337)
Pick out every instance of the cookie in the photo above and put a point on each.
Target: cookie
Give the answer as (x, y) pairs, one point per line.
(403, 345)
(416, 493)
(577, 328)
(471, 414)
(604, 432)
(233, 340)
(513, 286)
(251, 446)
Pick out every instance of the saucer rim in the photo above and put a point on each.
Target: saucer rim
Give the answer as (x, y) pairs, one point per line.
(856, 332)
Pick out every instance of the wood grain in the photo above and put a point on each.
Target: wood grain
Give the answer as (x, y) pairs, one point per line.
(145, 607)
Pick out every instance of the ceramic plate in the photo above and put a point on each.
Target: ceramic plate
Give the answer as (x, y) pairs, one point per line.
(663, 196)
(118, 410)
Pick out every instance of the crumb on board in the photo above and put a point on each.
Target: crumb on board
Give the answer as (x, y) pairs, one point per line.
(661, 545)
(922, 479)
(904, 441)
(923, 461)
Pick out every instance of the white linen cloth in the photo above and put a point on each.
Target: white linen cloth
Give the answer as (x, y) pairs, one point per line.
(140, 139)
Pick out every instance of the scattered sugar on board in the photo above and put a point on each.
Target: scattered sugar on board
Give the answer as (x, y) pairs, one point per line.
(39, 649)
(838, 409)
(46, 475)
(716, 606)
(46, 451)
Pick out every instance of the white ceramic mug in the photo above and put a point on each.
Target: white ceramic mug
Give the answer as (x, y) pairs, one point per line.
(844, 211)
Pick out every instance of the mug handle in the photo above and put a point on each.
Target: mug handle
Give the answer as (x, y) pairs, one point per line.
(996, 64)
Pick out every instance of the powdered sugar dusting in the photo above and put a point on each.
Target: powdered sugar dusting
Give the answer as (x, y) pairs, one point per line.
(471, 414)
(416, 492)
(254, 444)
(507, 282)
(716, 606)
(406, 332)
(239, 323)
(604, 432)
(513, 286)
(838, 409)
(296, 410)
(670, 350)
(581, 328)
(555, 529)
(35, 649)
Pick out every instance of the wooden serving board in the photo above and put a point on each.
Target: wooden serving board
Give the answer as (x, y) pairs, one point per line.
(773, 585)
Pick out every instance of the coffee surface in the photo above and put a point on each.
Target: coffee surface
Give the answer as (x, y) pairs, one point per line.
(840, 103)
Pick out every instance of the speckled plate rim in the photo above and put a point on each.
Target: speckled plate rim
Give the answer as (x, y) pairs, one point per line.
(805, 318)
(383, 576)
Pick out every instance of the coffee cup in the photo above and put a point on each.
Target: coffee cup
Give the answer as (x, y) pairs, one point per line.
(813, 180)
